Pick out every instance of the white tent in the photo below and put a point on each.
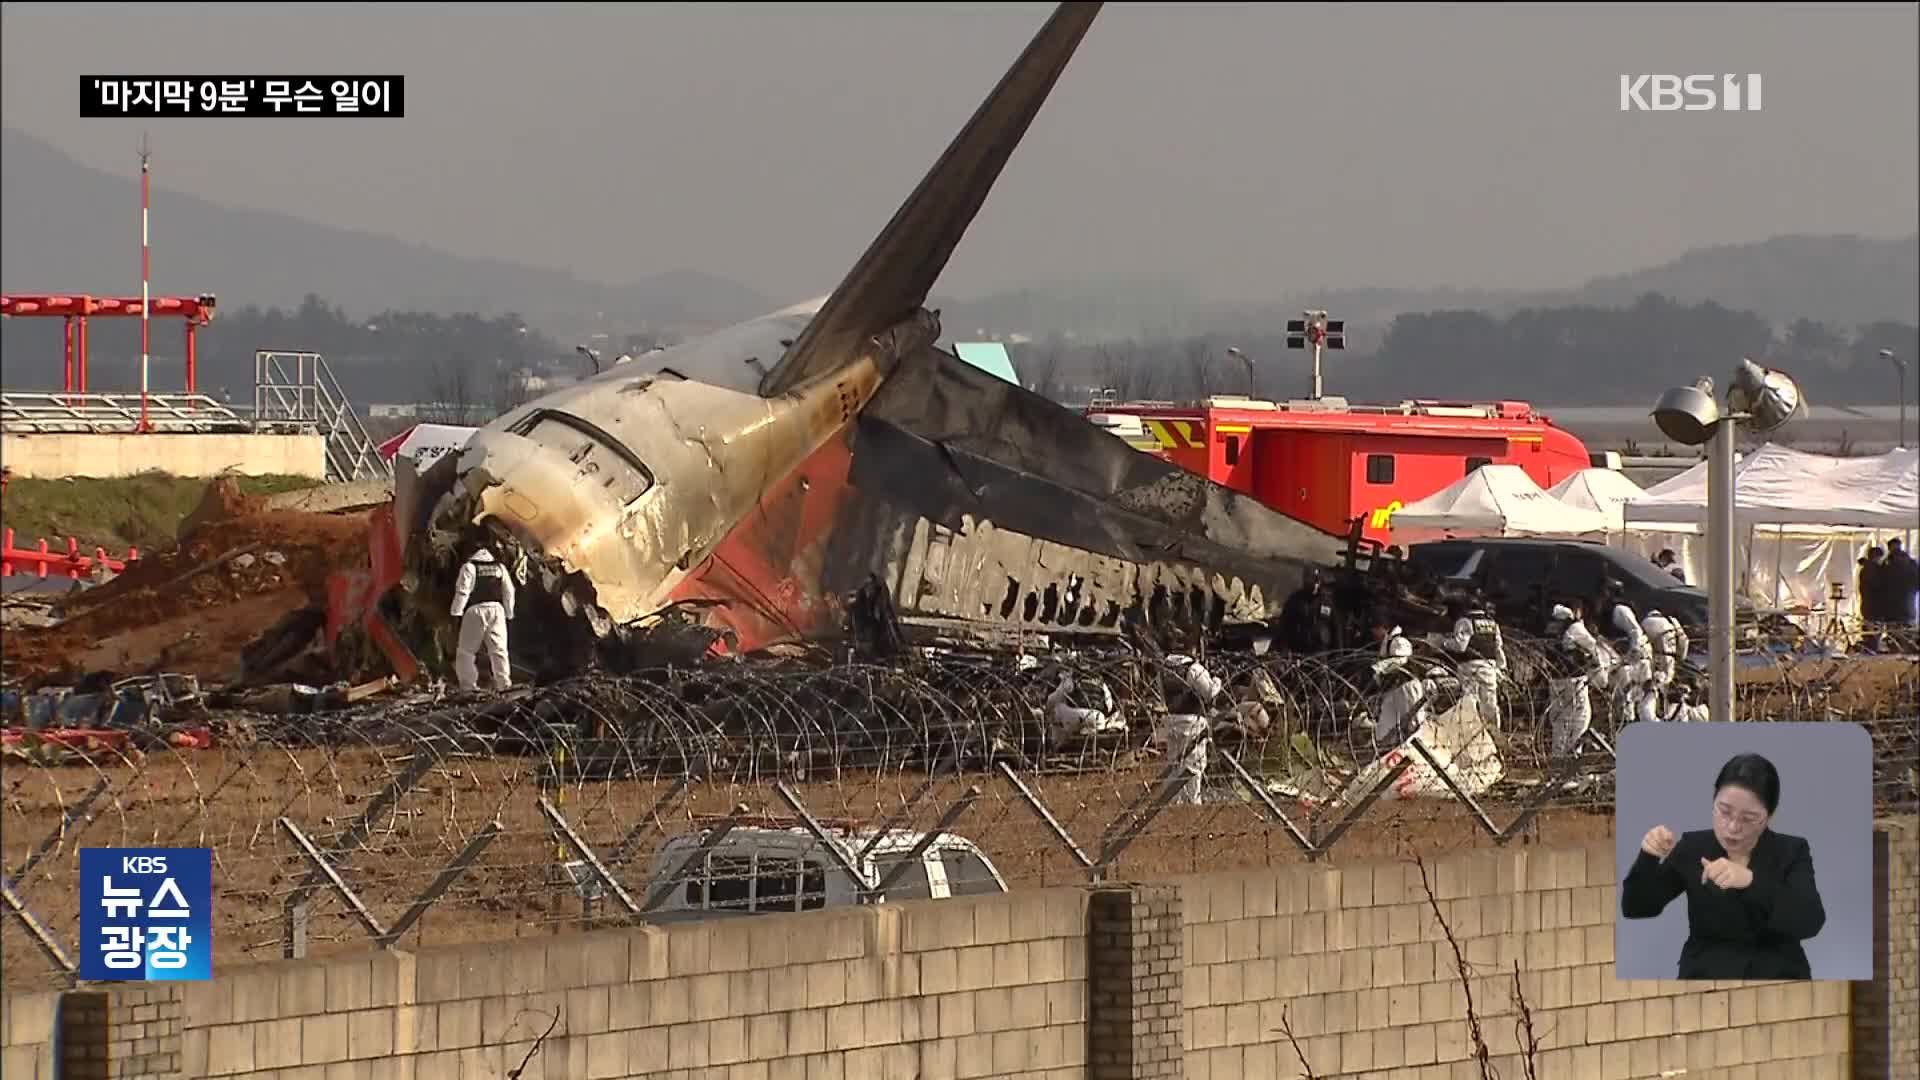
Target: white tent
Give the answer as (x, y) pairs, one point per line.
(1801, 522)
(1776, 485)
(1604, 491)
(1496, 500)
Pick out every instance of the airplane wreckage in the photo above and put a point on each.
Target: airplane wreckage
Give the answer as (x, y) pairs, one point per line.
(728, 494)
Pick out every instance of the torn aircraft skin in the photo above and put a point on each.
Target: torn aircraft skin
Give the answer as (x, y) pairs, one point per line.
(748, 479)
(975, 500)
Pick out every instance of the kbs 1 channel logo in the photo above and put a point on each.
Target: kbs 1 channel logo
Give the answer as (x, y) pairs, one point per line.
(146, 914)
(1690, 93)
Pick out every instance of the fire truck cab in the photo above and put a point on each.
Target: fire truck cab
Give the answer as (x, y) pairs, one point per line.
(1328, 461)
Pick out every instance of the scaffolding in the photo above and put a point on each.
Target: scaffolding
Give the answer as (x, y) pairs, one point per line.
(294, 393)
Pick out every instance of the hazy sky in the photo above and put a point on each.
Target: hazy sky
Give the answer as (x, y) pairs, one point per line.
(1244, 149)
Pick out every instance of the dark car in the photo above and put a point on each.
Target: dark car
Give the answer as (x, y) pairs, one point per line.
(1522, 578)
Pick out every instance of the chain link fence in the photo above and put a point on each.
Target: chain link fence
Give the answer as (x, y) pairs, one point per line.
(423, 818)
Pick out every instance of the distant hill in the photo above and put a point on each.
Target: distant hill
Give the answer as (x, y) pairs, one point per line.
(1838, 280)
(248, 257)
(67, 242)
(1843, 281)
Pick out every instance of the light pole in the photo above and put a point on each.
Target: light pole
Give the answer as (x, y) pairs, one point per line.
(1316, 328)
(1762, 400)
(1253, 391)
(1900, 365)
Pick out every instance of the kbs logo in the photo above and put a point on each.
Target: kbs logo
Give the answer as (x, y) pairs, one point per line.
(1689, 93)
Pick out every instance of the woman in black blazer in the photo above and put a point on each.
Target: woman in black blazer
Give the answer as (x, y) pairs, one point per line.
(1751, 897)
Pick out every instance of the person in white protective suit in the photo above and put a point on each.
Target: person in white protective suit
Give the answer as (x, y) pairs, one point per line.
(1072, 721)
(1577, 661)
(1666, 644)
(483, 602)
(1186, 729)
(1476, 638)
(1635, 670)
(1403, 692)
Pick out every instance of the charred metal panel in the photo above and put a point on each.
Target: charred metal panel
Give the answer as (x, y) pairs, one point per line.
(893, 276)
(977, 500)
(947, 439)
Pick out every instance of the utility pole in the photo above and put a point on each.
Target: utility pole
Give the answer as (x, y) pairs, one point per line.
(1322, 333)
(146, 298)
(1900, 365)
(1253, 389)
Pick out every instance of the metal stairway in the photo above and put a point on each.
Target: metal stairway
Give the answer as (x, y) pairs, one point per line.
(297, 391)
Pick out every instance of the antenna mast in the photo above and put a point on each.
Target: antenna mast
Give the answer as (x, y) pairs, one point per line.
(146, 299)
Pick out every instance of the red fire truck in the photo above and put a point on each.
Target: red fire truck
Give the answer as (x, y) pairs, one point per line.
(1328, 462)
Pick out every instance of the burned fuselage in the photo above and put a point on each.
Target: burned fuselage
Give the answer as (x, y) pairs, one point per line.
(630, 480)
(758, 475)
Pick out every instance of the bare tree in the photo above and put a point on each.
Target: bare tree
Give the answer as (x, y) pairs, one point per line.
(1523, 1027)
(521, 1069)
(510, 389)
(1044, 375)
(1286, 1028)
(1477, 1042)
(1199, 352)
(450, 385)
(1153, 380)
(1115, 373)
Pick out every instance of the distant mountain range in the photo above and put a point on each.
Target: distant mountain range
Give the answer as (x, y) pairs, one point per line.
(252, 257)
(275, 260)
(1843, 281)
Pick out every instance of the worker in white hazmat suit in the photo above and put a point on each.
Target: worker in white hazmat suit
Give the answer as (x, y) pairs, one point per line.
(1577, 660)
(1476, 639)
(483, 602)
(1403, 692)
(1186, 729)
(1072, 720)
(1635, 670)
(1666, 645)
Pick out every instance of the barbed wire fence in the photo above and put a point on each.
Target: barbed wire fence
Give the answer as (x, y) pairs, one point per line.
(601, 801)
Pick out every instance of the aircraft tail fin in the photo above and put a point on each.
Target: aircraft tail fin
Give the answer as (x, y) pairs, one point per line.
(899, 268)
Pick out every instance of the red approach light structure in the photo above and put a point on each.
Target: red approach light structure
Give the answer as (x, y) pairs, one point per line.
(196, 310)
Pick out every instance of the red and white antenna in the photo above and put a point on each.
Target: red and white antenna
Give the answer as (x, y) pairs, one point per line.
(145, 269)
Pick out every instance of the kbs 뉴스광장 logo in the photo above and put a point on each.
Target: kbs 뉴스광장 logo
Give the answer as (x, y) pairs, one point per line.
(146, 914)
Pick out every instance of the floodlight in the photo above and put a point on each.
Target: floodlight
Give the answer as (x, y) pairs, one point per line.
(1762, 399)
(1770, 398)
(1688, 414)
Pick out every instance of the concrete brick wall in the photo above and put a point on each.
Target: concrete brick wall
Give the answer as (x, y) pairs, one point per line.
(122, 1033)
(992, 986)
(1193, 978)
(1903, 951)
(1886, 1011)
(1134, 983)
(1354, 961)
(84, 1040)
(55, 456)
(26, 1034)
(145, 1025)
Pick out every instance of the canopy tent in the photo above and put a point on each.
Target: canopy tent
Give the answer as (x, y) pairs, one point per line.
(1604, 491)
(1777, 485)
(1497, 500)
(1801, 522)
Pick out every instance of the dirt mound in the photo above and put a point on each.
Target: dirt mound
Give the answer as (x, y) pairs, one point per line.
(221, 501)
(231, 549)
